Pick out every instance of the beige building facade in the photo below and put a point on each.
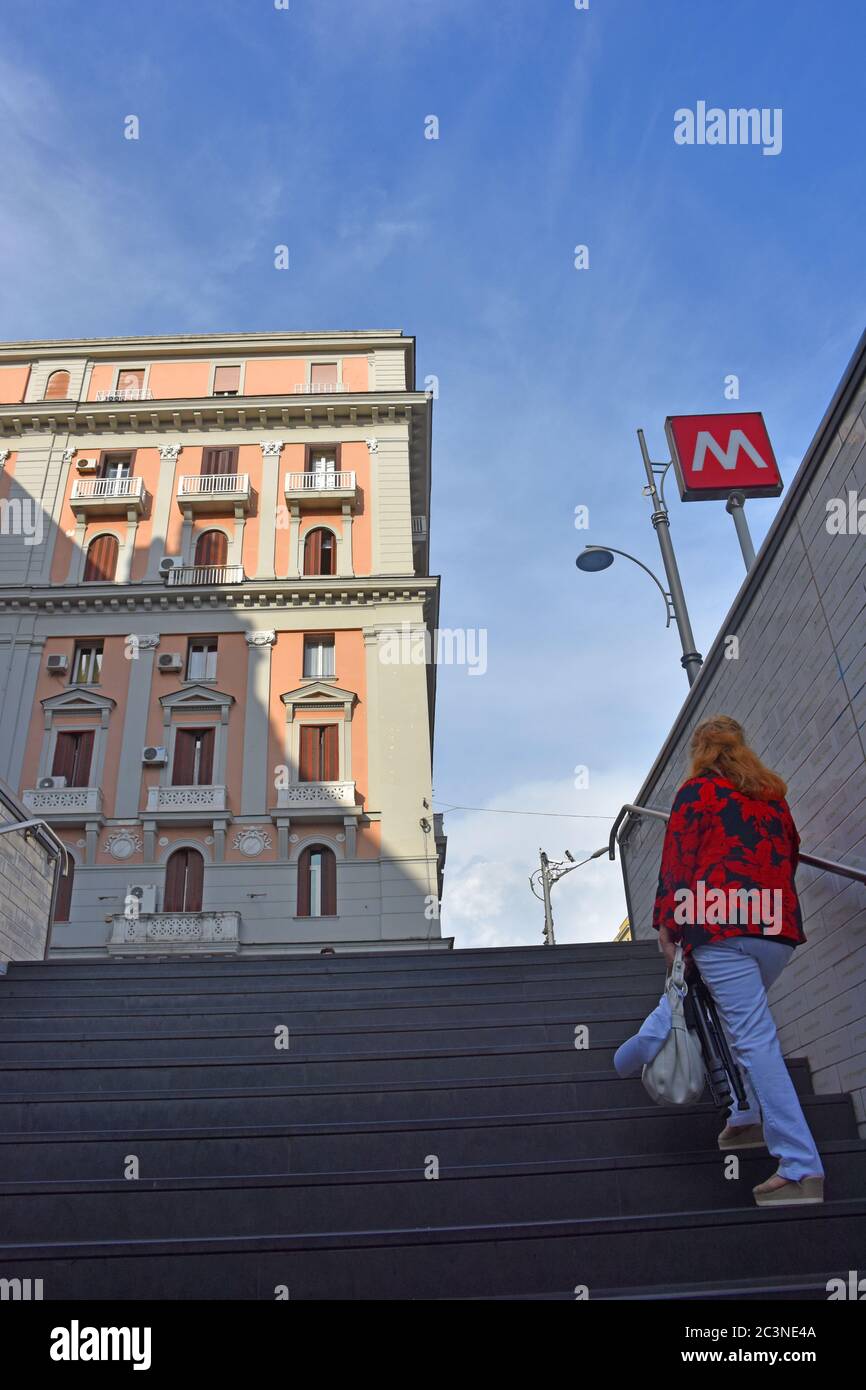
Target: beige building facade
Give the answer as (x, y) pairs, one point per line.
(209, 546)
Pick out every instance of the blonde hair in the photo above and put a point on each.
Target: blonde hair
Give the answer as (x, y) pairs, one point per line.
(719, 745)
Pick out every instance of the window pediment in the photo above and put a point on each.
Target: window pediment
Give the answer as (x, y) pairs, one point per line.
(197, 697)
(78, 700)
(319, 695)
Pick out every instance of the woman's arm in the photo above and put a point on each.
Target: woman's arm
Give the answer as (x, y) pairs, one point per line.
(678, 866)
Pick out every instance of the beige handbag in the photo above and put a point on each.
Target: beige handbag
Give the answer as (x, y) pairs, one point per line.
(676, 1075)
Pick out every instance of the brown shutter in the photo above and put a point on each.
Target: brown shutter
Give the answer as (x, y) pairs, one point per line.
(184, 754)
(64, 756)
(338, 453)
(226, 379)
(205, 758)
(329, 883)
(308, 770)
(83, 756)
(304, 883)
(63, 901)
(313, 552)
(327, 563)
(194, 881)
(211, 548)
(219, 461)
(57, 388)
(308, 458)
(330, 753)
(175, 881)
(101, 558)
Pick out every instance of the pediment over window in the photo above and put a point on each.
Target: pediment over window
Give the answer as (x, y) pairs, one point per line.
(197, 697)
(321, 695)
(78, 700)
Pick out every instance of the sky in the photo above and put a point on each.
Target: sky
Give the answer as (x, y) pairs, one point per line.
(306, 124)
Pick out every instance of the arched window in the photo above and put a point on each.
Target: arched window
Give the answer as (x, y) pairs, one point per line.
(317, 882)
(57, 387)
(212, 548)
(184, 881)
(63, 900)
(101, 560)
(320, 552)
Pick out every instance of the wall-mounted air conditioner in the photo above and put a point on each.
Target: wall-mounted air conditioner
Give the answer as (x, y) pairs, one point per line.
(87, 465)
(169, 661)
(56, 664)
(168, 563)
(145, 893)
(156, 757)
(49, 783)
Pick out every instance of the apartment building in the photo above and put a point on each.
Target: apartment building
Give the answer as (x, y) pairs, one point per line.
(208, 545)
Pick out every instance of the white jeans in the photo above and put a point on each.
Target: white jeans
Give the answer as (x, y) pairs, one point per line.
(738, 972)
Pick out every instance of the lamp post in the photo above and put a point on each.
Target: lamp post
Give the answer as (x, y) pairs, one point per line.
(597, 557)
(551, 873)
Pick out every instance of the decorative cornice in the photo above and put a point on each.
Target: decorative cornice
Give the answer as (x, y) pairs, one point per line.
(252, 595)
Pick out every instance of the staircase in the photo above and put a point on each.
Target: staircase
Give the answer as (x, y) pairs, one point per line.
(303, 1170)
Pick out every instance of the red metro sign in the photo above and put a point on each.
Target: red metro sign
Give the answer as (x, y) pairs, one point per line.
(715, 455)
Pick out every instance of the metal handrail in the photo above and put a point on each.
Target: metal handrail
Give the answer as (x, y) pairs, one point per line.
(815, 860)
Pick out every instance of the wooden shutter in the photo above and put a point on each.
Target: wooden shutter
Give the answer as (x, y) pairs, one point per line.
(57, 387)
(194, 881)
(63, 900)
(313, 553)
(219, 461)
(329, 882)
(304, 883)
(211, 548)
(330, 753)
(175, 882)
(226, 379)
(83, 754)
(64, 756)
(205, 758)
(101, 558)
(184, 758)
(323, 374)
(308, 770)
(327, 563)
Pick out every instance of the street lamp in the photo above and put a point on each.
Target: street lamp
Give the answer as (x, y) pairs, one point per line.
(600, 557)
(551, 872)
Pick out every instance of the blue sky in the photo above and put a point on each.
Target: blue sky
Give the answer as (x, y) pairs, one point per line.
(305, 127)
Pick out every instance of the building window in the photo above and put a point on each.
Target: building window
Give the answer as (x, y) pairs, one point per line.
(63, 897)
(101, 560)
(324, 463)
(201, 659)
(323, 376)
(57, 387)
(193, 758)
(73, 752)
(184, 881)
(86, 663)
(320, 753)
(130, 383)
(319, 656)
(320, 552)
(226, 381)
(115, 466)
(317, 882)
(219, 461)
(211, 549)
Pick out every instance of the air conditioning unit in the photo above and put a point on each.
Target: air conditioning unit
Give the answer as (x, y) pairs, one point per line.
(167, 564)
(145, 893)
(48, 783)
(57, 664)
(157, 757)
(169, 661)
(87, 465)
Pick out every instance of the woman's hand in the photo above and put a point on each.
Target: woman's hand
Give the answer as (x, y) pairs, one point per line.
(668, 947)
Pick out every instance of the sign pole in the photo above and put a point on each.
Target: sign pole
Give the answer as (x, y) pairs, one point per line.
(736, 507)
(691, 659)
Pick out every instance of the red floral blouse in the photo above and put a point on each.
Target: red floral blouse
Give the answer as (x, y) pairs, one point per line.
(728, 867)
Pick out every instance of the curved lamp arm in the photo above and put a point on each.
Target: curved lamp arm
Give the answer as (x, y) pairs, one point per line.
(664, 593)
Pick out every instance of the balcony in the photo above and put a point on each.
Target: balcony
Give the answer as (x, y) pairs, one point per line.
(315, 488)
(214, 492)
(98, 496)
(67, 803)
(175, 933)
(319, 388)
(131, 393)
(317, 796)
(419, 529)
(183, 801)
(205, 575)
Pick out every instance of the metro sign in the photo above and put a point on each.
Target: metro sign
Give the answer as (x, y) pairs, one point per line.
(715, 455)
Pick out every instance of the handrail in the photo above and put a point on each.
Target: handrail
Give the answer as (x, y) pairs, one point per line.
(815, 860)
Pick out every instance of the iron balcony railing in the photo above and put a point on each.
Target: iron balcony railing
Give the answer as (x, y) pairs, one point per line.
(107, 487)
(319, 481)
(131, 393)
(210, 484)
(206, 574)
(318, 388)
